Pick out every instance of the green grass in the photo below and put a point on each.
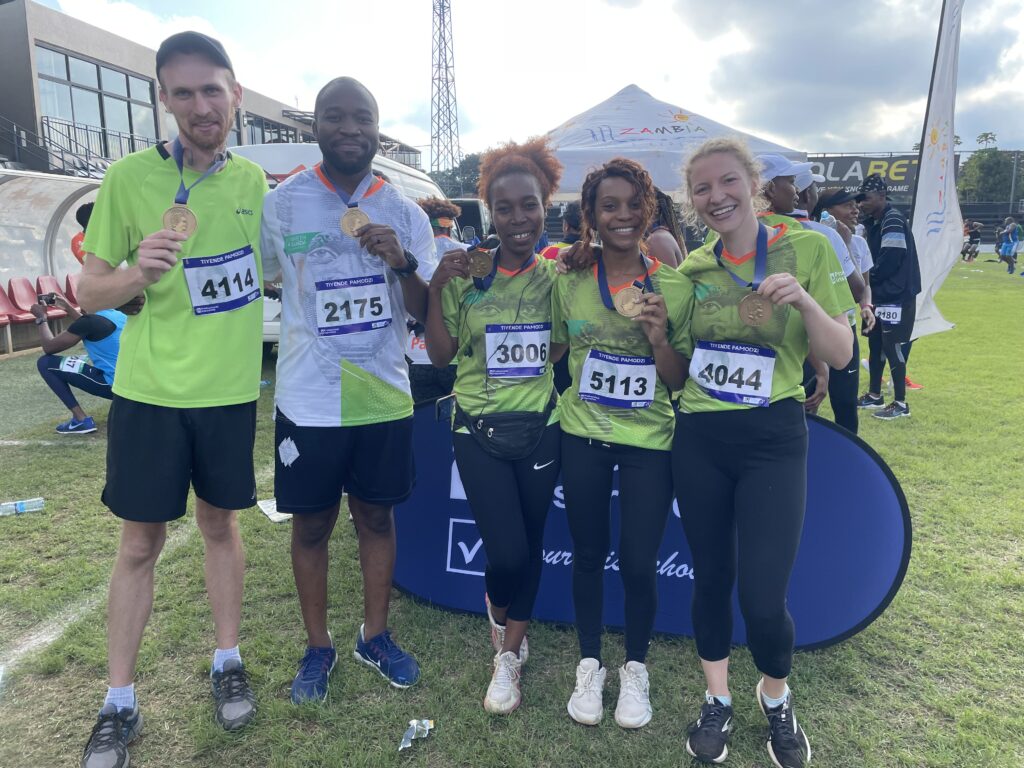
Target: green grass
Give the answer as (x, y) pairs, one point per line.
(936, 682)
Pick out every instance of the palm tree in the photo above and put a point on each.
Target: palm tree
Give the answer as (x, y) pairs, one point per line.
(986, 139)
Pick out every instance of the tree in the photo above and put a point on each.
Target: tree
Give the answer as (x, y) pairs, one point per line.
(986, 139)
(986, 176)
(461, 180)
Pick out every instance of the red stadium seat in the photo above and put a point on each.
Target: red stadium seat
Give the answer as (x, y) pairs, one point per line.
(23, 295)
(11, 316)
(5, 323)
(71, 288)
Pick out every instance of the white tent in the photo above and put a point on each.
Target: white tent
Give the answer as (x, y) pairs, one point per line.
(634, 124)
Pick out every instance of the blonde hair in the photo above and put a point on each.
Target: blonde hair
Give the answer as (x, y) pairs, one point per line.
(730, 145)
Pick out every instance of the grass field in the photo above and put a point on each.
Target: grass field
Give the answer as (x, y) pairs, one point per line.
(937, 681)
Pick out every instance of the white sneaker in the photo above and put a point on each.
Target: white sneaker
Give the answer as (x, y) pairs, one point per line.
(634, 707)
(586, 705)
(498, 634)
(503, 694)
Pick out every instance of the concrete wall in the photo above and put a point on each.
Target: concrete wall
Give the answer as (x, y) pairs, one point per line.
(17, 86)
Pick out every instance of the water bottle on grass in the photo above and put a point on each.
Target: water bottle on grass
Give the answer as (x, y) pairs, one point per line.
(20, 507)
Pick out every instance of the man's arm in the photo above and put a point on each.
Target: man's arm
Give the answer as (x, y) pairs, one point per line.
(105, 287)
(52, 344)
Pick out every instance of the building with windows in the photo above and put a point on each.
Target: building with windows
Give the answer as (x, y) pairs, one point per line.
(75, 97)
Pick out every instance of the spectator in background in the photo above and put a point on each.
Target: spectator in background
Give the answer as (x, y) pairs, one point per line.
(972, 240)
(572, 221)
(82, 217)
(665, 241)
(101, 335)
(442, 214)
(1009, 242)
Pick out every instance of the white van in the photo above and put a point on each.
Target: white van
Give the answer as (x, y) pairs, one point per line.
(279, 161)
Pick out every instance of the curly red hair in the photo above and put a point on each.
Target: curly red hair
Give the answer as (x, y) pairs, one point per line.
(439, 208)
(622, 168)
(533, 157)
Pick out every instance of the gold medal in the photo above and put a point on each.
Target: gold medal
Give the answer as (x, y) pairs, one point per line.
(629, 302)
(353, 220)
(755, 310)
(480, 263)
(180, 218)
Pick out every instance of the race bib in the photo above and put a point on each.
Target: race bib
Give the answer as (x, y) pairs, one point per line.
(353, 305)
(416, 350)
(890, 314)
(621, 381)
(734, 373)
(72, 364)
(517, 350)
(222, 283)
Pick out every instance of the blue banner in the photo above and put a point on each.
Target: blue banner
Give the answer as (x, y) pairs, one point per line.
(853, 555)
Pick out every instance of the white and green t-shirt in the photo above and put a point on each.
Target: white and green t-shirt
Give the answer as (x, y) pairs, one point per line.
(341, 359)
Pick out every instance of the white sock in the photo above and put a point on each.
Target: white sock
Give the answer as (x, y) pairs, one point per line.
(771, 703)
(223, 654)
(122, 698)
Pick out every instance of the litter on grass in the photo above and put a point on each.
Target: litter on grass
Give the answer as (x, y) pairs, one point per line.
(418, 729)
(269, 508)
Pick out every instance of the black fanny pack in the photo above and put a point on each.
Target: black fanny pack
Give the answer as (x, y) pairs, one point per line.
(508, 436)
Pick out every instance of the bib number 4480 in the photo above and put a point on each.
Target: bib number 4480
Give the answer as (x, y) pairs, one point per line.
(719, 375)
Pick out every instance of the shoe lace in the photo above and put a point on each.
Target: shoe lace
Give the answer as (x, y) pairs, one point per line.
(315, 664)
(782, 729)
(106, 731)
(386, 648)
(505, 673)
(713, 716)
(233, 684)
(585, 683)
(635, 685)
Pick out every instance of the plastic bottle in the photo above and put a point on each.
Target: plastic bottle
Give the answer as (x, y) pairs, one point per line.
(20, 507)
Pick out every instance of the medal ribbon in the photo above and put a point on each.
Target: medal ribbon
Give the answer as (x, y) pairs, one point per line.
(760, 260)
(602, 282)
(179, 158)
(361, 191)
(484, 283)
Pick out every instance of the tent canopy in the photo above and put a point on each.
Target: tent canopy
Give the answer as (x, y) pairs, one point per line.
(634, 124)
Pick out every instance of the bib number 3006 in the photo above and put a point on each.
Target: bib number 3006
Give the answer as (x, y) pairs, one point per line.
(734, 373)
(620, 381)
(517, 350)
(222, 283)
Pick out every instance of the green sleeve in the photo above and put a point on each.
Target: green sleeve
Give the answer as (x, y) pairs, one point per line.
(109, 236)
(679, 304)
(450, 307)
(559, 331)
(820, 282)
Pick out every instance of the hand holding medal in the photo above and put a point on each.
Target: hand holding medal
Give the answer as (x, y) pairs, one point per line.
(454, 263)
(382, 242)
(653, 318)
(782, 288)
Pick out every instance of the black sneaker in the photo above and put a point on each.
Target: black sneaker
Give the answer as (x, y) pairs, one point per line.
(108, 743)
(893, 410)
(869, 401)
(236, 703)
(708, 736)
(787, 744)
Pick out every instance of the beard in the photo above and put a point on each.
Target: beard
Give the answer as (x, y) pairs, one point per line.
(349, 167)
(210, 143)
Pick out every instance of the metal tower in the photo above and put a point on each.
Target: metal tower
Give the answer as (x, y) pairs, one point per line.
(444, 116)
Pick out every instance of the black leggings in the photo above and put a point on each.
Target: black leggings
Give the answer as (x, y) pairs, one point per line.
(645, 497)
(88, 379)
(742, 485)
(843, 385)
(510, 502)
(891, 343)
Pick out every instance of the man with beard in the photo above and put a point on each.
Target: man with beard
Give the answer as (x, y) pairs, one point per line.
(352, 253)
(184, 217)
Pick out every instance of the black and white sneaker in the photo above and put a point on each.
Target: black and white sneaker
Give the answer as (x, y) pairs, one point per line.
(787, 743)
(893, 410)
(871, 402)
(108, 743)
(235, 703)
(708, 736)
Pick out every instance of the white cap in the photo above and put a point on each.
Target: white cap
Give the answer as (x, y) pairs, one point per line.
(804, 179)
(777, 165)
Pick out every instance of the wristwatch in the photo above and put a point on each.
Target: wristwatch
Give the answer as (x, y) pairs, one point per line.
(411, 265)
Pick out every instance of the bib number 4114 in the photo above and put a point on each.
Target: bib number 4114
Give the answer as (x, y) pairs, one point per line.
(240, 283)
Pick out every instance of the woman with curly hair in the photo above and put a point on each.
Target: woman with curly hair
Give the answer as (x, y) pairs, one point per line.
(620, 317)
(442, 215)
(490, 311)
(764, 296)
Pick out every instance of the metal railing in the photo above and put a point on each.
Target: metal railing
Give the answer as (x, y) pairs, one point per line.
(104, 143)
(32, 151)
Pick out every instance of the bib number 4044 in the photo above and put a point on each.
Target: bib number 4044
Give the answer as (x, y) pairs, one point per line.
(719, 375)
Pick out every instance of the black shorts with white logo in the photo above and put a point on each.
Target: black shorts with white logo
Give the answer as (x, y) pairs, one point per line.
(314, 465)
(154, 453)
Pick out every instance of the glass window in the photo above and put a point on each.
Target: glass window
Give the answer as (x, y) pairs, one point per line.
(113, 82)
(87, 107)
(142, 121)
(83, 72)
(141, 89)
(55, 100)
(51, 63)
(115, 113)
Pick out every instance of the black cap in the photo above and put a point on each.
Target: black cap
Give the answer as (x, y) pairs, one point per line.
(830, 197)
(873, 183)
(192, 42)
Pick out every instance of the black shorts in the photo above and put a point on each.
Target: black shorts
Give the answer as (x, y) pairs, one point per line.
(154, 453)
(314, 465)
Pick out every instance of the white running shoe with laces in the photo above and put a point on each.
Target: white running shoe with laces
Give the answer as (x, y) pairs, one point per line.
(586, 705)
(503, 694)
(634, 707)
(498, 634)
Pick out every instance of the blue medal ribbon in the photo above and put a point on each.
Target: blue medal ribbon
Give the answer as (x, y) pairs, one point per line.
(179, 158)
(760, 260)
(352, 201)
(484, 283)
(606, 293)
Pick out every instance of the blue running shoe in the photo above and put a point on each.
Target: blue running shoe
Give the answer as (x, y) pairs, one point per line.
(383, 654)
(75, 427)
(108, 743)
(311, 681)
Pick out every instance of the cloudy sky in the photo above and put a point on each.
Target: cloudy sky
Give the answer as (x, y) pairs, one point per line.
(835, 75)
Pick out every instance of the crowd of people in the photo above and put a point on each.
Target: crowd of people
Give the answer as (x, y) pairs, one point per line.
(687, 374)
